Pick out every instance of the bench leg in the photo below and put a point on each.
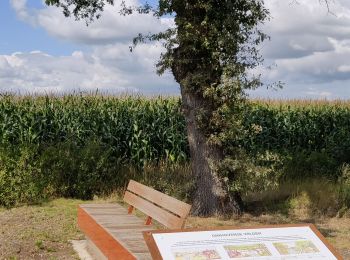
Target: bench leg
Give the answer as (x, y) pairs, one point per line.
(148, 221)
(130, 209)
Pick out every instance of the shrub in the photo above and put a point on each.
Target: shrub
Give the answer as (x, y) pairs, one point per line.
(21, 179)
(80, 171)
(344, 187)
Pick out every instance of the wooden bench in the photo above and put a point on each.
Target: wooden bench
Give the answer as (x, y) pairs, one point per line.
(113, 232)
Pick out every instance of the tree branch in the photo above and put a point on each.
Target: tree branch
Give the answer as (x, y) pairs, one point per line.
(325, 2)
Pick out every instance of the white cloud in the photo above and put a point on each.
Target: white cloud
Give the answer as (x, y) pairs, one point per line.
(310, 47)
(108, 65)
(316, 93)
(316, 67)
(22, 11)
(41, 73)
(110, 28)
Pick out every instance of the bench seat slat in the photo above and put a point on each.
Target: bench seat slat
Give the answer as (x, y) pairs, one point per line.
(133, 244)
(103, 206)
(167, 219)
(176, 206)
(131, 229)
(143, 256)
(132, 239)
(122, 220)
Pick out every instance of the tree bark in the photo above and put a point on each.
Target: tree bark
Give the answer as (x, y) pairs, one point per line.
(211, 196)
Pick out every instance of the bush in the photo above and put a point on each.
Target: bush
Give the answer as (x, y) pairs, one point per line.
(67, 169)
(81, 171)
(344, 186)
(21, 179)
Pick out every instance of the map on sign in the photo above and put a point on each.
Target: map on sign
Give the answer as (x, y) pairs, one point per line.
(262, 243)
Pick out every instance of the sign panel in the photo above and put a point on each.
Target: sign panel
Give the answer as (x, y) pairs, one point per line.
(296, 242)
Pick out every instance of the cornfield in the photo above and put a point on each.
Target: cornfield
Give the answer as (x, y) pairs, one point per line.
(85, 145)
(300, 125)
(138, 129)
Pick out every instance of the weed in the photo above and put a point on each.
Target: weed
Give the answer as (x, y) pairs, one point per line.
(40, 244)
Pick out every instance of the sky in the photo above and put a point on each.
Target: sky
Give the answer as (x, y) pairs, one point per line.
(43, 52)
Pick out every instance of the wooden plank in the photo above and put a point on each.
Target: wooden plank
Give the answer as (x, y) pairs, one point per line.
(136, 245)
(107, 244)
(121, 220)
(132, 239)
(130, 229)
(127, 235)
(102, 212)
(107, 207)
(101, 205)
(178, 207)
(164, 217)
(143, 256)
(121, 227)
(107, 210)
(115, 227)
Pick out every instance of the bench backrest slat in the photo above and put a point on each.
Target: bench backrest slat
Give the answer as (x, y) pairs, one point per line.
(155, 199)
(171, 204)
(166, 218)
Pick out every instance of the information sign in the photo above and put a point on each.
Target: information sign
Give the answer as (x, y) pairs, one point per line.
(272, 242)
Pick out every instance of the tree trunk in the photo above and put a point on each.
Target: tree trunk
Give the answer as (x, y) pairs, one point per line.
(211, 196)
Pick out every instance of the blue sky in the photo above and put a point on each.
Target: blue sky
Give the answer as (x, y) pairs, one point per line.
(41, 51)
(21, 36)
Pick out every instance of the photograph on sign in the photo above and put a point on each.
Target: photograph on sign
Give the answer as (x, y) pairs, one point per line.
(262, 243)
